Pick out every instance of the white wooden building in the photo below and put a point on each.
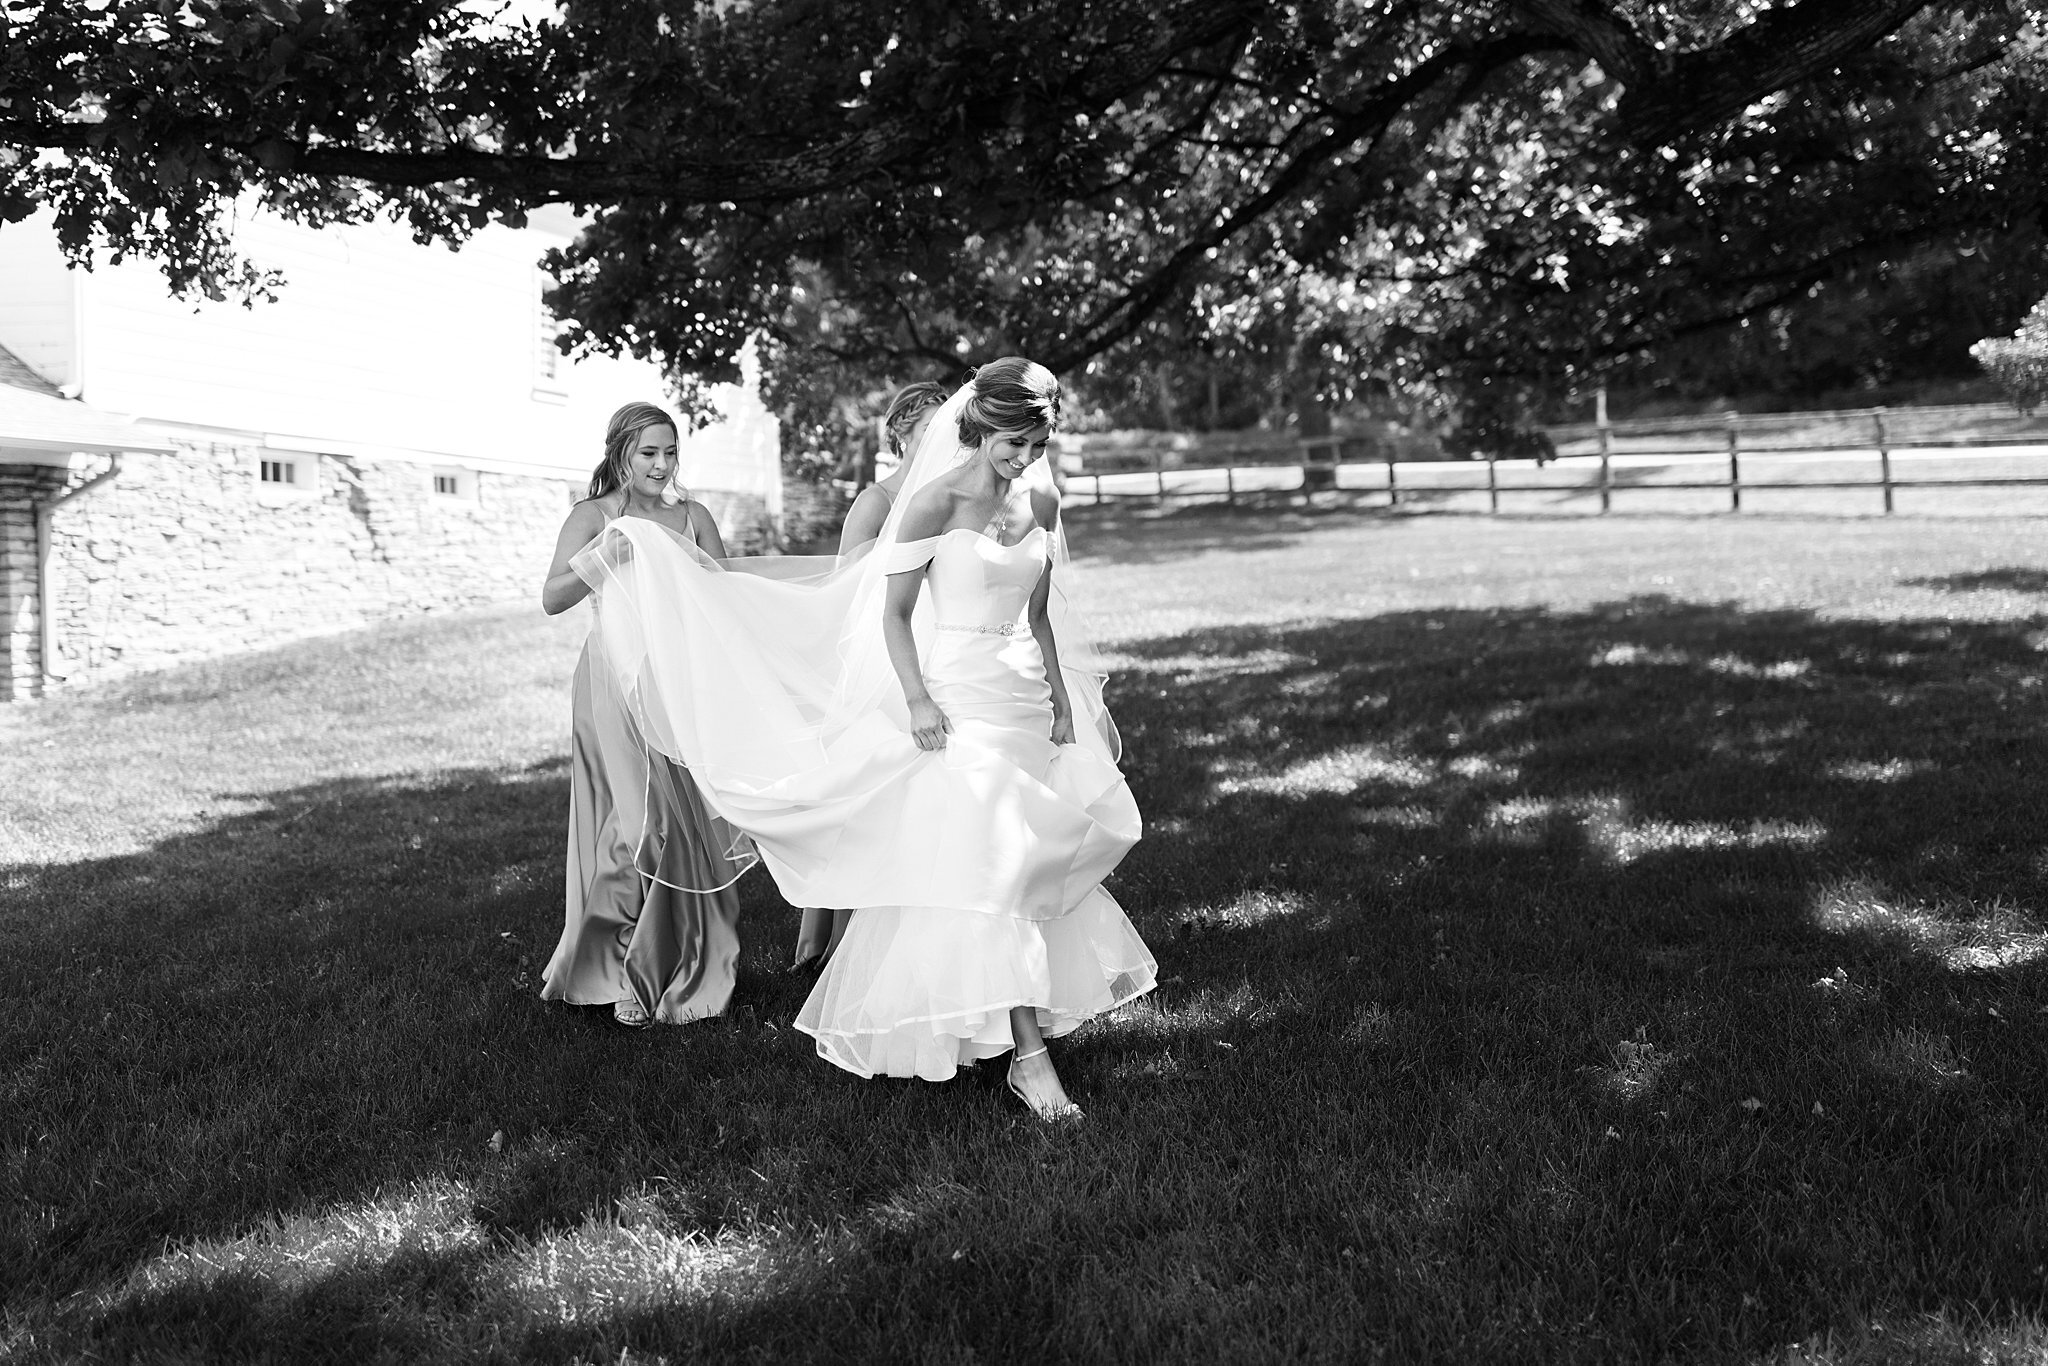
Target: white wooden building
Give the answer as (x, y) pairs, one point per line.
(397, 433)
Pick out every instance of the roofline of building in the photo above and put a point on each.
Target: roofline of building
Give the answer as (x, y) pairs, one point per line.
(34, 424)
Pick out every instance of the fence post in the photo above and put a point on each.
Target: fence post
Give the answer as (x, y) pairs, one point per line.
(1393, 494)
(1229, 482)
(1734, 466)
(1492, 486)
(1606, 470)
(1098, 488)
(1884, 458)
(1159, 473)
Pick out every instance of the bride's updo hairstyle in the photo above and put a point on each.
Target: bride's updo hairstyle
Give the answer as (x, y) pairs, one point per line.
(1009, 395)
(621, 439)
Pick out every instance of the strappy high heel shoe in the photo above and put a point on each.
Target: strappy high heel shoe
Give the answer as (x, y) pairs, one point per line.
(631, 1014)
(1052, 1112)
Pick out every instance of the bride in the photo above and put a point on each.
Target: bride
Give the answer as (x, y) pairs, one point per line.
(919, 736)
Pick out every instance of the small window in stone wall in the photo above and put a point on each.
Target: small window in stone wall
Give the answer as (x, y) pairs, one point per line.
(454, 483)
(291, 474)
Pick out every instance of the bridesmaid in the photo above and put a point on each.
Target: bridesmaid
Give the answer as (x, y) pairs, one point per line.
(651, 922)
(910, 412)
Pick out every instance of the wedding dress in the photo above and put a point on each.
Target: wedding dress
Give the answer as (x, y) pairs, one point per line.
(974, 871)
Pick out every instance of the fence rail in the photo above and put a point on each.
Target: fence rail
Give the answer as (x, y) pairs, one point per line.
(1612, 459)
(1826, 428)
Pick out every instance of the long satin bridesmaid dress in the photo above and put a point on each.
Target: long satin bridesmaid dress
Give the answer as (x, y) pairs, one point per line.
(650, 915)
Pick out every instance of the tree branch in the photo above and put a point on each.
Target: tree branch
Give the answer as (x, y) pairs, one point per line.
(1123, 316)
(1781, 48)
(1596, 30)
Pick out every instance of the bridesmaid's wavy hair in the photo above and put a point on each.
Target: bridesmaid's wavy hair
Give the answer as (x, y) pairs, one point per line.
(1009, 395)
(911, 403)
(621, 438)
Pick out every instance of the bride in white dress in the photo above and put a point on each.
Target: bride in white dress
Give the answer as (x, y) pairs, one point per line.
(918, 737)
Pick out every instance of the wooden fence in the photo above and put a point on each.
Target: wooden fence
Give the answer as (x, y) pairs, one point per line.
(1869, 437)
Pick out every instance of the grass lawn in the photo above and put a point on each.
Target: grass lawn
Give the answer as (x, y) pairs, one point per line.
(1581, 940)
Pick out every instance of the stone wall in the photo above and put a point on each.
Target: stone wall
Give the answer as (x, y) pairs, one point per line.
(812, 512)
(744, 521)
(191, 555)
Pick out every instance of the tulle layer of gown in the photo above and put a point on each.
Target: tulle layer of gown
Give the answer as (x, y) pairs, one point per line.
(919, 991)
(650, 914)
(974, 873)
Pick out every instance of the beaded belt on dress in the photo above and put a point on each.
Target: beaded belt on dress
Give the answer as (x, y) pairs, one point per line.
(1008, 628)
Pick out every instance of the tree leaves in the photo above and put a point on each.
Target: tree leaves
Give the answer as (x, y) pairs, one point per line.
(1326, 198)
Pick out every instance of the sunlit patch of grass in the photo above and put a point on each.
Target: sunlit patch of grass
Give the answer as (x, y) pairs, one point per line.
(1193, 668)
(1505, 714)
(1403, 817)
(1247, 910)
(1521, 820)
(1339, 771)
(1941, 1338)
(1222, 735)
(1779, 670)
(1314, 683)
(1871, 771)
(1974, 940)
(1201, 1016)
(1482, 768)
(1612, 834)
(293, 1251)
(1780, 731)
(1628, 655)
(606, 1268)
(1626, 842)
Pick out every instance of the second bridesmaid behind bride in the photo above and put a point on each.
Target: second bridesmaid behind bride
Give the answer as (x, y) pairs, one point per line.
(651, 920)
(909, 413)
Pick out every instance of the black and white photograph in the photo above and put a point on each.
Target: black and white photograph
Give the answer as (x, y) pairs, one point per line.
(1010, 684)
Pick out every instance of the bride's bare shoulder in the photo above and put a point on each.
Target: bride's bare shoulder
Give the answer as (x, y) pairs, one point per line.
(929, 510)
(1045, 507)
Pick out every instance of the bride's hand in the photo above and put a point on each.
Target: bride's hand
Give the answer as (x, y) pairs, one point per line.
(928, 725)
(1063, 728)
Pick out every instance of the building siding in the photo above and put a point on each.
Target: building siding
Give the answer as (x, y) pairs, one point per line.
(38, 301)
(372, 341)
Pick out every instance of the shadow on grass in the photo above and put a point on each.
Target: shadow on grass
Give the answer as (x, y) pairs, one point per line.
(1659, 980)
(1141, 535)
(2007, 580)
